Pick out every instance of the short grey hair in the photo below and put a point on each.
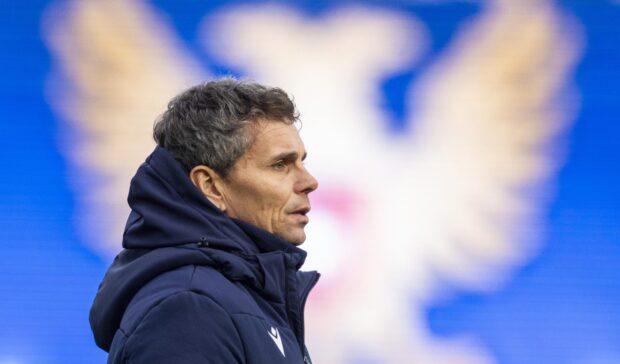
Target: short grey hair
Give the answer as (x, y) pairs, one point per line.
(208, 123)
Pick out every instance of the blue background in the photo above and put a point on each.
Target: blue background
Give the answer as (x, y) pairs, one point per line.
(563, 307)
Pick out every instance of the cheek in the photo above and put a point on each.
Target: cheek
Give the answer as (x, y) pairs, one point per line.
(273, 201)
(260, 199)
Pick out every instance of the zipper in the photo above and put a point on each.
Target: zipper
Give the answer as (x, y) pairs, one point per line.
(304, 297)
(302, 303)
(286, 293)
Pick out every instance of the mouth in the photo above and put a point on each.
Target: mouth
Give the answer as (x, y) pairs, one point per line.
(301, 214)
(301, 211)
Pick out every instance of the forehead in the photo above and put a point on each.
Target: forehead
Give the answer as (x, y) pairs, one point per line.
(273, 137)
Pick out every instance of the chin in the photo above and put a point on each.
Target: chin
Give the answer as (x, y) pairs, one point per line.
(295, 239)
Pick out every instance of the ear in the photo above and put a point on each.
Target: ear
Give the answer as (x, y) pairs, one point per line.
(209, 183)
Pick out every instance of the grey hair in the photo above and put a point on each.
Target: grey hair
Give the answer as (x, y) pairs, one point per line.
(208, 123)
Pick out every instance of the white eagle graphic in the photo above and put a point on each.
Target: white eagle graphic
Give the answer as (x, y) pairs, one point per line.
(401, 220)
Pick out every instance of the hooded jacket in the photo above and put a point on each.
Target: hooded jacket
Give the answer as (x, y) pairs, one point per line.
(193, 285)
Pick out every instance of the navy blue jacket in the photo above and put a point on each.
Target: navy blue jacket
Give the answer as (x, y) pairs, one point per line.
(195, 286)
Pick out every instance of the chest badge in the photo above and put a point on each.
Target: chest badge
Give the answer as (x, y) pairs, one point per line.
(275, 335)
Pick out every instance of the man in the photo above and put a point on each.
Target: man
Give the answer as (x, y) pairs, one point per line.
(209, 272)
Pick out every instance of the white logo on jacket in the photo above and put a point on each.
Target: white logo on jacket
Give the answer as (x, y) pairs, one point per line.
(275, 335)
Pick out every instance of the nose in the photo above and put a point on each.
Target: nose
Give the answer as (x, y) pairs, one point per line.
(307, 183)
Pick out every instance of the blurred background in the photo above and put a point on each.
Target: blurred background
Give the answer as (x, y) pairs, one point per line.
(467, 153)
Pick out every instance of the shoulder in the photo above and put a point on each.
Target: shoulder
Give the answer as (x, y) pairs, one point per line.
(184, 327)
(203, 282)
(176, 308)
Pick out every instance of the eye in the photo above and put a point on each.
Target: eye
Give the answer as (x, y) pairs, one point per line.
(279, 165)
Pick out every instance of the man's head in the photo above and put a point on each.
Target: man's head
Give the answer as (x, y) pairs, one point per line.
(239, 145)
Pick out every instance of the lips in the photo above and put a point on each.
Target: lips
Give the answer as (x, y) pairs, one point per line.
(301, 211)
(301, 214)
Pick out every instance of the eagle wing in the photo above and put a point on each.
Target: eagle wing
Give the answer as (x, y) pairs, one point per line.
(484, 148)
(117, 64)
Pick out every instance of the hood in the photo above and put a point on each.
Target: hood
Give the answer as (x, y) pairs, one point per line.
(168, 210)
(171, 225)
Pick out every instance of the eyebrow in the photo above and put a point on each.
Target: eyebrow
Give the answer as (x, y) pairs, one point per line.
(288, 156)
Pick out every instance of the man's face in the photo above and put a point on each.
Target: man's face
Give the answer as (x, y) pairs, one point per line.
(268, 186)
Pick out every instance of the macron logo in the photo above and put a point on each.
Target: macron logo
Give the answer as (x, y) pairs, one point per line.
(275, 335)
